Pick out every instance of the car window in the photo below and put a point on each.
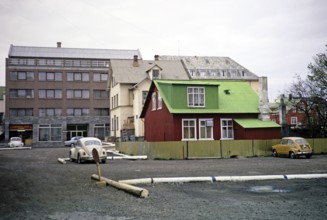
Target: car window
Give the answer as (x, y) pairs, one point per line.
(78, 144)
(301, 141)
(283, 141)
(92, 142)
(290, 142)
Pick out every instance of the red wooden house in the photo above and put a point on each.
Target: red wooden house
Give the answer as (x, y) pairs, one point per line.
(204, 110)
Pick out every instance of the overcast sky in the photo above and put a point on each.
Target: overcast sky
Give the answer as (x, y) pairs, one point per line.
(275, 38)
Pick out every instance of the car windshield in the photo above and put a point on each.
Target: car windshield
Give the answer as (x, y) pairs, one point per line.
(92, 142)
(16, 139)
(301, 141)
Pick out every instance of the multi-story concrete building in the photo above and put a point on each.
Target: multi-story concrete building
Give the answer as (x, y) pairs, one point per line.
(55, 93)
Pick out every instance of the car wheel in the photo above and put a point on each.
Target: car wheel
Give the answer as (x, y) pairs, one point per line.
(308, 156)
(275, 153)
(292, 155)
(79, 160)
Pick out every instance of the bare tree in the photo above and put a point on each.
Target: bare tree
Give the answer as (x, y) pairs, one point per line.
(310, 96)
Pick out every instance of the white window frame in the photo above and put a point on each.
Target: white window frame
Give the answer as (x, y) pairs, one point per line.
(222, 126)
(154, 101)
(208, 124)
(194, 97)
(293, 120)
(159, 106)
(194, 127)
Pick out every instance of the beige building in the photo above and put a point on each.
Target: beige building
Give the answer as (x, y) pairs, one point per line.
(129, 82)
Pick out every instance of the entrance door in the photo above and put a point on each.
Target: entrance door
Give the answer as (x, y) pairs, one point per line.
(74, 130)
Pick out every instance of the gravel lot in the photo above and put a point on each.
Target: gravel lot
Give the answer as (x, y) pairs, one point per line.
(35, 186)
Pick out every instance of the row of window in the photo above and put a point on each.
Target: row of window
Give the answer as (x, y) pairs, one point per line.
(217, 73)
(43, 112)
(59, 62)
(57, 76)
(57, 93)
(190, 130)
(54, 132)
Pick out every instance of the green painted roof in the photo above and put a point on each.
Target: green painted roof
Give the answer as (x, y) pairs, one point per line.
(241, 98)
(256, 123)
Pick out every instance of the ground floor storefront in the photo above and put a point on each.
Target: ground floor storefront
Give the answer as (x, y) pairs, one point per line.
(54, 131)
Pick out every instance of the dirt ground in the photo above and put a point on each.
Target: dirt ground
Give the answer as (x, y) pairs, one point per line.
(35, 186)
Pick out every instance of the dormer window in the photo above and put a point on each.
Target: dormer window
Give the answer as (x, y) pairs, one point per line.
(155, 74)
(195, 96)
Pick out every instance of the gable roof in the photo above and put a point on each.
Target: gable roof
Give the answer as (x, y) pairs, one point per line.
(124, 72)
(63, 52)
(213, 67)
(227, 96)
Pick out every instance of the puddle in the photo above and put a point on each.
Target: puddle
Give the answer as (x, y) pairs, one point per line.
(267, 189)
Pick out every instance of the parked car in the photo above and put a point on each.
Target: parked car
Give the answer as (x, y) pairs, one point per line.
(82, 150)
(72, 141)
(16, 142)
(293, 147)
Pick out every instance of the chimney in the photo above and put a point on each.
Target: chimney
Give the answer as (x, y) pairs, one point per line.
(59, 44)
(156, 57)
(135, 61)
(263, 99)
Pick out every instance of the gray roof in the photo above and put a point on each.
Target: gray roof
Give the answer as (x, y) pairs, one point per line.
(213, 66)
(61, 52)
(125, 72)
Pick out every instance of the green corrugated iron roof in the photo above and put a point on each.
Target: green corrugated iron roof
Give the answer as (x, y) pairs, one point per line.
(256, 123)
(220, 96)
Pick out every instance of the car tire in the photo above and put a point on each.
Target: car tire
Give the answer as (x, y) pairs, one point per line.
(308, 156)
(79, 159)
(275, 153)
(293, 155)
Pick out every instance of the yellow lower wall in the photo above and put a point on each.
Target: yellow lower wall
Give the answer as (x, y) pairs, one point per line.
(208, 149)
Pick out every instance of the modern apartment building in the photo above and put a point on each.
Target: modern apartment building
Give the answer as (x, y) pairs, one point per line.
(55, 93)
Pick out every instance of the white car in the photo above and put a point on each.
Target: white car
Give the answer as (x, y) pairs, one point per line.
(16, 142)
(82, 150)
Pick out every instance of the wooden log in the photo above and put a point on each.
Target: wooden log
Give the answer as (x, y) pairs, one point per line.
(140, 192)
(61, 160)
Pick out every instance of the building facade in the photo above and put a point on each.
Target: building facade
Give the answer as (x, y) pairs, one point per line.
(204, 110)
(55, 93)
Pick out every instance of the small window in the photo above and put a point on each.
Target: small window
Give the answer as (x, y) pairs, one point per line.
(159, 101)
(189, 129)
(195, 96)
(155, 74)
(154, 101)
(144, 95)
(206, 129)
(227, 129)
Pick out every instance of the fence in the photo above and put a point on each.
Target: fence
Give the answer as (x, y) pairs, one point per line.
(208, 149)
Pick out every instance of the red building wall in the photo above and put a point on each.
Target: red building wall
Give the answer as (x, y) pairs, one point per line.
(160, 125)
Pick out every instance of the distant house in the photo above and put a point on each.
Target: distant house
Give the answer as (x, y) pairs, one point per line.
(179, 110)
